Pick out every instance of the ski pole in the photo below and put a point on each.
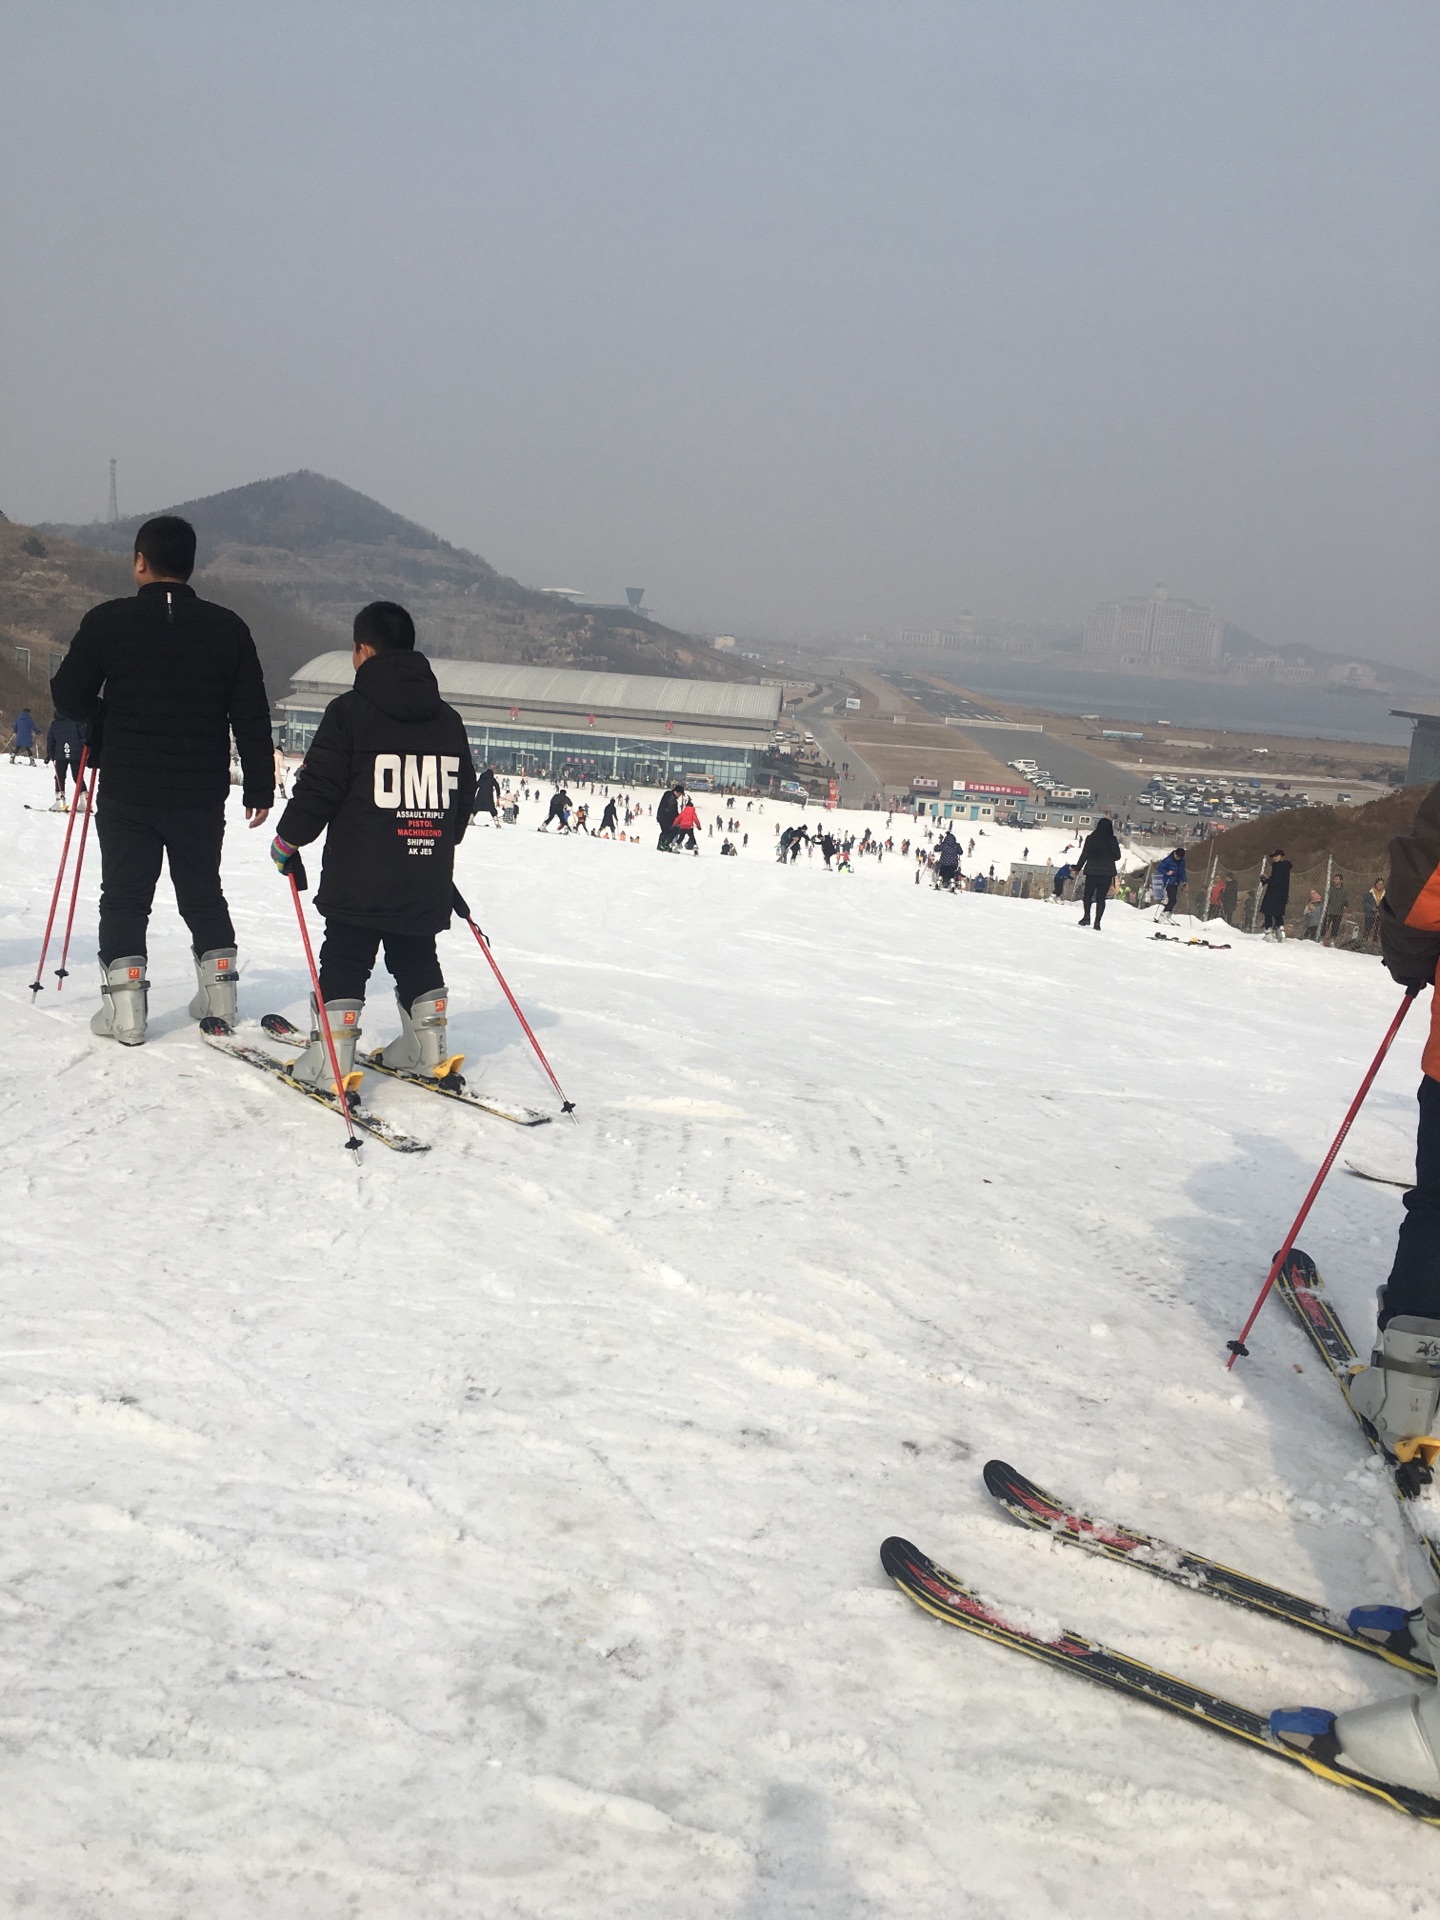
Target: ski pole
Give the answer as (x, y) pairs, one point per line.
(353, 1143)
(61, 972)
(566, 1106)
(38, 983)
(1237, 1346)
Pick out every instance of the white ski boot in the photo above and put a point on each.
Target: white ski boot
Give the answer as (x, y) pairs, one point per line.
(313, 1068)
(420, 1044)
(215, 973)
(1399, 1392)
(124, 1000)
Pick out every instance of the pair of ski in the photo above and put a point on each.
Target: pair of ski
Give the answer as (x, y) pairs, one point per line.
(1302, 1737)
(224, 1040)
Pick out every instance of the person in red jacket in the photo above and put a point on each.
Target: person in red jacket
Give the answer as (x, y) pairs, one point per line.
(683, 831)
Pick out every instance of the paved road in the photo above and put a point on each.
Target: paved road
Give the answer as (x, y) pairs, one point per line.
(862, 781)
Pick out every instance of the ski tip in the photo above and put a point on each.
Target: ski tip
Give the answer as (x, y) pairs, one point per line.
(899, 1557)
(1000, 1478)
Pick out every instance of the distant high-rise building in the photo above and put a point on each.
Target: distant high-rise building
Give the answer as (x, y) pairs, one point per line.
(1155, 631)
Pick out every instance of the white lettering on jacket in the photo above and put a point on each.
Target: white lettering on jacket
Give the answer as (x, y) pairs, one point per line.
(449, 778)
(422, 784)
(387, 779)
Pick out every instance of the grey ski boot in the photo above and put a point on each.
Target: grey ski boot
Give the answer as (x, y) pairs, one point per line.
(420, 1045)
(1397, 1740)
(313, 1068)
(124, 1001)
(216, 995)
(1399, 1392)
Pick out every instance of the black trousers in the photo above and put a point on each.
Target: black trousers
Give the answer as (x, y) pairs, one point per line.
(347, 957)
(1414, 1283)
(1097, 892)
(133, 843)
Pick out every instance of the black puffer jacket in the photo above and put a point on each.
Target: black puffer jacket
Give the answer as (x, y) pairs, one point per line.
(177, 676)
(1101, 853)
(389, 773)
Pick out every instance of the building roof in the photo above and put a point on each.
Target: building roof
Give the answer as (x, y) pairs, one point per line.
(640, 695)
(1418, 710)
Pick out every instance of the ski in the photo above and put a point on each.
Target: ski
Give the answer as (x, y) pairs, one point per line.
(942, 1595)
(1299, 1285)
(216, 1035)
(1382, 1631)
(1379, 1174)
(451, 1087)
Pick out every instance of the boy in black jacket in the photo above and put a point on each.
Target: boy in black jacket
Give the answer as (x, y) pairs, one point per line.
(389, 774)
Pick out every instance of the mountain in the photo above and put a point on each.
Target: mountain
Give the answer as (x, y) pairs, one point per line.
(48, 583)
(323, 549)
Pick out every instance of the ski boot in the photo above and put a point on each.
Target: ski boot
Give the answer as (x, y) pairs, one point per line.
(124, 999)
(420, 1045)
(215, 973)
(1398, 1396)
(1396, 1741)
(313, 1068)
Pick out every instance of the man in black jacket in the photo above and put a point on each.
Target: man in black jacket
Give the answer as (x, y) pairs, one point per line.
(1099, 859)
(487, 796)
(389, 773)
(163, 680)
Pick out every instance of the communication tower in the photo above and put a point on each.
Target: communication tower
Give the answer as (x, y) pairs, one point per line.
(114, 514)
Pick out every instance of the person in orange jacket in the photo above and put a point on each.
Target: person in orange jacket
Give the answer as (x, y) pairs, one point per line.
(686, 821)
(1398, 1739)
(1399, 1393)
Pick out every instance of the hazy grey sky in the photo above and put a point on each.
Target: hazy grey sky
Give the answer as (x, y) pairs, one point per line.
(810, 318)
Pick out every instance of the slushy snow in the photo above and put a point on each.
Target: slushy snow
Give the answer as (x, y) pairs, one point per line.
(495, 1533)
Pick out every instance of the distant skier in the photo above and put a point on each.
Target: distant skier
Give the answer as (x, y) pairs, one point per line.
(665, 812)
(1171, 872)
(487, 796)
(24, 736)
(175, 677)
(829, 847)
(559, 810)
(1398, 1740)
(610, 818)
(782, 849)
(1099, 861)
(390, 782)
(948, 861)
(1276, 897)
(64, 746)
(1062, 874)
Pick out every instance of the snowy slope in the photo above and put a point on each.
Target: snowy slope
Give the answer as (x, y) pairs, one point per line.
(495, 1533)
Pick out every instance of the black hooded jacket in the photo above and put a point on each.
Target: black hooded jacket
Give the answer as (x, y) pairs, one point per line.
(390, 774)
(666, 808)
(1100, 855)
(178, 676)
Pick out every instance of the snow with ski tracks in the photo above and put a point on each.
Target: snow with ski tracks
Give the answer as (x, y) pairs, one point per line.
(495, 1531)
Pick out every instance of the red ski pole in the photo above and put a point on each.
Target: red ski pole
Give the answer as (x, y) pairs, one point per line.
(38, 983)
(566, 1106)
(353, 1143)
(62, 970)
(1237, 1346)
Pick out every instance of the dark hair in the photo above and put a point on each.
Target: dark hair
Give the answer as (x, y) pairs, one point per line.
(168, 543)
(385, 626)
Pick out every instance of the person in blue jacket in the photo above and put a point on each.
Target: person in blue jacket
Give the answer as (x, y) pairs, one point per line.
(949, 861)
(25, 731)
(1062, 874)
(1171, 871)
